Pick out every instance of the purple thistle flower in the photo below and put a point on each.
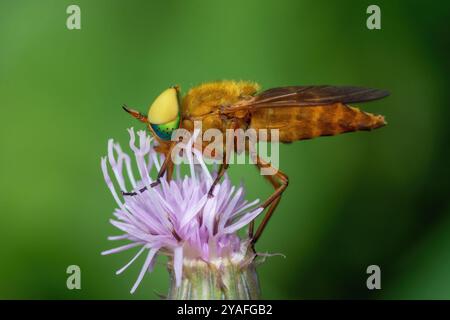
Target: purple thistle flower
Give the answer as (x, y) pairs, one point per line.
(175, 218)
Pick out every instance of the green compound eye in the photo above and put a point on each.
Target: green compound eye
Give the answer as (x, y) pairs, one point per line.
(164, 131)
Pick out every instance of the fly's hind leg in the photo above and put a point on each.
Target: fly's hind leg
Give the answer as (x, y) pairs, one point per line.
(275, 184)
(279, 181)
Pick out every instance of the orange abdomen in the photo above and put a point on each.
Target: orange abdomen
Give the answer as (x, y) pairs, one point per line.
(299, 123)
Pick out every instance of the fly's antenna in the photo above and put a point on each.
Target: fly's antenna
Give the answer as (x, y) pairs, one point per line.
(136, 114)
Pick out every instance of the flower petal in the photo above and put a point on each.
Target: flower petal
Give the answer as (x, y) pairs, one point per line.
(131, 261)
(178, 264)
(243, 221)
(121, 248)
(147, 263)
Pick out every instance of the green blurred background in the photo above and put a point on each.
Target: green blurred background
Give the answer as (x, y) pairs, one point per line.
(354, 200)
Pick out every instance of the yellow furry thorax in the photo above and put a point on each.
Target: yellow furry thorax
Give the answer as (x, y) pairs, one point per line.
(206, 97)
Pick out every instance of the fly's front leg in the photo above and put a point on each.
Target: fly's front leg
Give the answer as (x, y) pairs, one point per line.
(166, 166)
(279, 181)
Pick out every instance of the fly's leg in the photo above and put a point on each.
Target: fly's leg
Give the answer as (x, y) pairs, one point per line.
(225, 161)
(279, 181)
(169, 171)
(223, 168)
(276, 184)
(166, 166)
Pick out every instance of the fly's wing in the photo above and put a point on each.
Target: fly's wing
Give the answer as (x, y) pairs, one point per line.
(308, 96)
